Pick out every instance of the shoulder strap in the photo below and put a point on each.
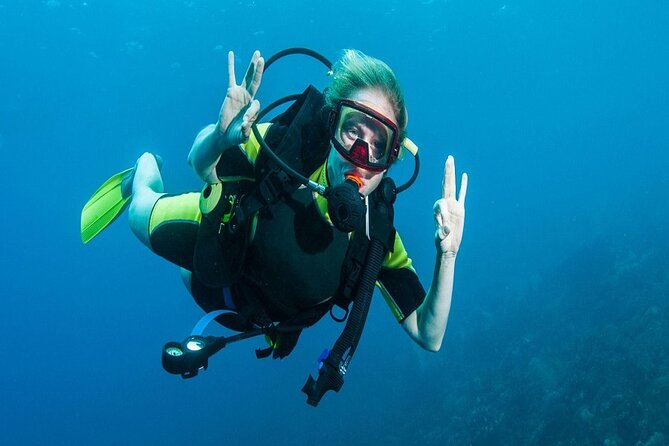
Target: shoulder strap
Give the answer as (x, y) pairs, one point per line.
(299, 137)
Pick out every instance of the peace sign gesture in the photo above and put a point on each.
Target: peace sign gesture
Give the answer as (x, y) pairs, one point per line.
(240, 110)
(449, 211)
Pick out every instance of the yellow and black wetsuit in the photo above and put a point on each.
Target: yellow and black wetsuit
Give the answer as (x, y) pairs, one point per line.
(293, 260)
(294, 257)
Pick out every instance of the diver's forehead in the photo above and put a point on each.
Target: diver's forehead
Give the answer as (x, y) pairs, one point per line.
(376, 100)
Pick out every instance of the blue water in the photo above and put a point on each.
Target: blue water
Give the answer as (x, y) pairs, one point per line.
(557, 111)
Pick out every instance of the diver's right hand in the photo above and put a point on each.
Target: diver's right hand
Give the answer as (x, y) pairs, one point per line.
(240, 110)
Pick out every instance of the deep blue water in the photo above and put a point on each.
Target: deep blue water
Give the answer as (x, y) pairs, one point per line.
(558, 111)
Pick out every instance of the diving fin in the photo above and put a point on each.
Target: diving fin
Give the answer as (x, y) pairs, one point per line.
(106, 204)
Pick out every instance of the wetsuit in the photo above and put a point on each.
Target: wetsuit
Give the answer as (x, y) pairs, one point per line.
(294, 257)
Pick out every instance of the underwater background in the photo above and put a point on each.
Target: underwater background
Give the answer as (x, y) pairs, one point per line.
(559, 330)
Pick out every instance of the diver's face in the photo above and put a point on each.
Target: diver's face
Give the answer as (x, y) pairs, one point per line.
(339, 167)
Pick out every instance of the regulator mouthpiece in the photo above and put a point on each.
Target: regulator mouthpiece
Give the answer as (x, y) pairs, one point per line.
(355, 179)
(346, 205)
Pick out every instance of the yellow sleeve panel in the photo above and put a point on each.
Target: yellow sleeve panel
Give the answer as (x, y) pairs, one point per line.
(399, 258)
(394, 308)
(252, 146)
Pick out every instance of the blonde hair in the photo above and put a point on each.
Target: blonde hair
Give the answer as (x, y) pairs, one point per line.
(355, 71)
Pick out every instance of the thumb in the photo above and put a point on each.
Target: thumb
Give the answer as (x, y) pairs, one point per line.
(250, 117)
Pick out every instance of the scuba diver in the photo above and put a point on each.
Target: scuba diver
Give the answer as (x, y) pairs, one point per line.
(295, 220)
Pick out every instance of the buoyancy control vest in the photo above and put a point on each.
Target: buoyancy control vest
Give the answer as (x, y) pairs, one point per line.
(281, 246)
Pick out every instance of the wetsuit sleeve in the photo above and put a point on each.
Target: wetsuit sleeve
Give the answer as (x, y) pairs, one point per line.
(252, 147)
(399, 283)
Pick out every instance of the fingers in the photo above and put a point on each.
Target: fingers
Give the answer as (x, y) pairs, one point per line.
(463, 189)
(260, 67)
(437, 212)
(448, 183)
(231, 69)
(250, 117)
(250, 71)
(252, 111)
(440, 209)
(253, 74)
(444, 230)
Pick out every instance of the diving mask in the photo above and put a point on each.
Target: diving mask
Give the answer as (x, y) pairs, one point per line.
(364, 136)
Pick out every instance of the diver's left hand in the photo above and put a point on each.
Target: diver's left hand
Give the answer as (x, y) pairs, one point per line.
(449, 212)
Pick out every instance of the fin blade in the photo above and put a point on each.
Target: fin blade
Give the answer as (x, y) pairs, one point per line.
(106, 204)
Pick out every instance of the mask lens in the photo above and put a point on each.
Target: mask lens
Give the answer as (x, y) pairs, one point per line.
(359, 129)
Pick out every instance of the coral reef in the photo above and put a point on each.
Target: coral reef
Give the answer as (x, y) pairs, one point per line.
(580, 358)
